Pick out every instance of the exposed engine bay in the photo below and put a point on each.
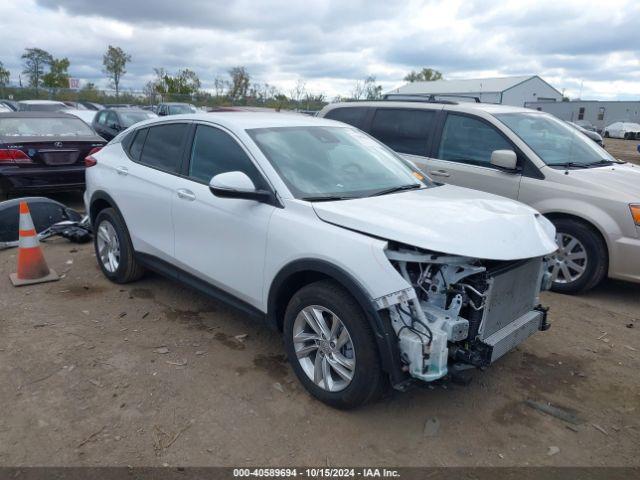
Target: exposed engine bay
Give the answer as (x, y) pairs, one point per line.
(462, 310)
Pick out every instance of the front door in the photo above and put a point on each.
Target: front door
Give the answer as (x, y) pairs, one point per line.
(463, 157)
(220, 240)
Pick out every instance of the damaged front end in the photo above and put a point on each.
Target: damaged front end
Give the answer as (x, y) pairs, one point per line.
(461, 310)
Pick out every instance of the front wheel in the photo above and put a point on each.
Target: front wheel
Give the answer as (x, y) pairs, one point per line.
(581, 260)
(606, 134)
(331, 346)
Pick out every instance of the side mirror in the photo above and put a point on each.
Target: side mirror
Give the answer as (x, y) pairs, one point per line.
(238, 185)
(506, 159)
(162, 113)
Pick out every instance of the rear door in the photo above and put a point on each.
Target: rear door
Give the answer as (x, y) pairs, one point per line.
(145, 183)
(461, 155)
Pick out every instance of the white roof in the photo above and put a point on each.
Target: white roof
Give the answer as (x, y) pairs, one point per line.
(491, 108)
(472, 85)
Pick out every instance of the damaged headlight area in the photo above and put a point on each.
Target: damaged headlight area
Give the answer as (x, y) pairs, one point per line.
(461, 310)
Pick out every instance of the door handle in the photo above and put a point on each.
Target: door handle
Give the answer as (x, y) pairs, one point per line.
(186, 194)
(122, 170)
(440, 173)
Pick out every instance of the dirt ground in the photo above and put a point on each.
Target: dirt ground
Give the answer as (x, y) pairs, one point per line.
(626, 150)
(151, 374)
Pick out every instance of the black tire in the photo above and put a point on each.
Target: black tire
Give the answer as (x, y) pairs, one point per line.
(627, 136)
(606, 134)
(597, 256)
(368, 381)
(128, 270)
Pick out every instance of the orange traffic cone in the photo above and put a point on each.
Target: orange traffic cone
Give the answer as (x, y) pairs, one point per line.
(32, 267)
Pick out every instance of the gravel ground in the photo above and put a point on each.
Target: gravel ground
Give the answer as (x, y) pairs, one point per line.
(151, 373)
(626, 150)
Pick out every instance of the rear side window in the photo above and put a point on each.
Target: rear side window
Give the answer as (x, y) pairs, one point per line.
(352, 116)
(136, 145)
(405, 131)
(215, 152)
(468, 140)
(163, 146)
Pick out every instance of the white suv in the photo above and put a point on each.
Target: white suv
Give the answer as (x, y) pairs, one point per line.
(371, 271)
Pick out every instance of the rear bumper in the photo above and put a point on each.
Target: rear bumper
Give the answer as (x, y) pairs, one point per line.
(624, 263)
(42, 178)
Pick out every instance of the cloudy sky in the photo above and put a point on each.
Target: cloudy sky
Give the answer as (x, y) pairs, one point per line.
(331, 44)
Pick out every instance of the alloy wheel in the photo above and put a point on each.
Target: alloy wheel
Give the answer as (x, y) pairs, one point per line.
(569, 263)
(324, 348)
(108, 246)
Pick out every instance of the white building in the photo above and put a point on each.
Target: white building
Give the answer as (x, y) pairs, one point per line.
(514, 91)
(597, 113)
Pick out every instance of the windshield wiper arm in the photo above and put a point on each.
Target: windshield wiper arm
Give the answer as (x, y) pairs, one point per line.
(570, 164)
(604, 161)
(325, 198)
(400, 188)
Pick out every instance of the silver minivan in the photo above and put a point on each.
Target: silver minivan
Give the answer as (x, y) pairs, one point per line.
(592, 198)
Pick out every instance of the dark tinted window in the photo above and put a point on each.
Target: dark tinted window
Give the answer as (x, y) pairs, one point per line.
(101, 117)
(136, 145)
(163, 146)
(214, 152)
(352, 116)
(468, 140)
(405, 131)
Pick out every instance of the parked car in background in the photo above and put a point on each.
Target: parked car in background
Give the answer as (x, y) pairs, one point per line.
(4, 108)
(175, 108)
(92, 105)
(85, 115)
(592, 134)
(625, 130)
(586, 124)
(371, 271)
(11, 104)
(111, 121)
(592, 199)
(119, 105)
(41, 106)
(43, 151)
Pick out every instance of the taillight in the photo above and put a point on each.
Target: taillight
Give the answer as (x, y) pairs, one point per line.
(14, 156)
(90, 160)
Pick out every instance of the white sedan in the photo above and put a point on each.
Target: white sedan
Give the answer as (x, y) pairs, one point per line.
(626, 130)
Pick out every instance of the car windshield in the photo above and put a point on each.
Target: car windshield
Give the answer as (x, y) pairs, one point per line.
(318, 162)
(555, 142)
(129, 118)
(179, 109)
(44, 127)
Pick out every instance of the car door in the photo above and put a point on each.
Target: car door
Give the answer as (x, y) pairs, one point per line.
(462, 156)
(146, 183)
(220, 240)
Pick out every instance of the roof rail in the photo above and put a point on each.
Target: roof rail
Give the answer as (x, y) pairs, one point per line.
(427, 97)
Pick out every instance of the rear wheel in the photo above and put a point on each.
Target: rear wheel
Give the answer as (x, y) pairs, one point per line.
(331, 346)
(606, 134)
(113, 247)
(581, 260)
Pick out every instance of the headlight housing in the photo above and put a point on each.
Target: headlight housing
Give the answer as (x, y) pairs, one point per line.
(635, 212)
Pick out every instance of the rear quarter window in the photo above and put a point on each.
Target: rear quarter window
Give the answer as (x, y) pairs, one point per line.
(137, 142)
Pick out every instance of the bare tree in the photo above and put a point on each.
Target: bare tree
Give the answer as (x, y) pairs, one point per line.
(239, 85)
(298, 91)
(220, 85)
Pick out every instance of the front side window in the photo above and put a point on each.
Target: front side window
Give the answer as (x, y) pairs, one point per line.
(469, 140)
(318, 162)
(214, 152)
(555, 142)
(163, 146)
(402, 130)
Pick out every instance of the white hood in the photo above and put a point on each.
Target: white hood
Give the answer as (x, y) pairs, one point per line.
(448, 219)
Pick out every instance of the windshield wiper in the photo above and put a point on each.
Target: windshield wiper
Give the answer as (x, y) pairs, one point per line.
(569, 165)
(604, 161)
(400, 188)
(325, 198)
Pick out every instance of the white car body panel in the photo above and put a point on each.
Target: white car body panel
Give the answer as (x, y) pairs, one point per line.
(441, 219)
